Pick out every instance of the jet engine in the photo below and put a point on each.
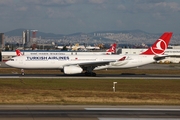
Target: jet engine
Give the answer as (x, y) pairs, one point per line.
(72, 69)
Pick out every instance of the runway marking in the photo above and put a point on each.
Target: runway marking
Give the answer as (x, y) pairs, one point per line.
(148, 109)
(138, 118)
(9, 76)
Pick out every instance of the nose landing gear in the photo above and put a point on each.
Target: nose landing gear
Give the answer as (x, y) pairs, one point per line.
(22, 72)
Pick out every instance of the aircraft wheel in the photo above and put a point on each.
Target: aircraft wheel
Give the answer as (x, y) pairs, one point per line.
(93, 74)
(87, 73)
(90, 74)
(22, 72)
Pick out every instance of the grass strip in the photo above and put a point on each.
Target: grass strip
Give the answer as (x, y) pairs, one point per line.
(88, 91)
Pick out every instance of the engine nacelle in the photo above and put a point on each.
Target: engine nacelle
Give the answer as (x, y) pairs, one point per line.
(72, 69)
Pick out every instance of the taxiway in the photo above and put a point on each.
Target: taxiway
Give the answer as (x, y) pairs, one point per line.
(99, 76)
(88, 112)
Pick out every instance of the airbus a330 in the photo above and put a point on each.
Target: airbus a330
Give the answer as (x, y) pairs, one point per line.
(75, 64)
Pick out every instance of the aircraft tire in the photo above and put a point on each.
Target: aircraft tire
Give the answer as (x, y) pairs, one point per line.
(90, 74)
(93, 74)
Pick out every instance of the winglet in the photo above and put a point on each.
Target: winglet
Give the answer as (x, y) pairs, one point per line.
(122, 59)
(18, 53)
(159, 47)
(112, 49)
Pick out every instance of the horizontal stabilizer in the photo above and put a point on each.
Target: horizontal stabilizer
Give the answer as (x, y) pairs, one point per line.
(160, 57)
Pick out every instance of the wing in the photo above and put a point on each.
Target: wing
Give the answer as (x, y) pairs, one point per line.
(91, 65)
(95, 64)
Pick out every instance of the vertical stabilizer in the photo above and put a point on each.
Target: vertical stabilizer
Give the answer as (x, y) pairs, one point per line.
(112, 49)
(159, 47)
(18, 53)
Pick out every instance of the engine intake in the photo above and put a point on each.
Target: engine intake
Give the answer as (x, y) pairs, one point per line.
(72, 69)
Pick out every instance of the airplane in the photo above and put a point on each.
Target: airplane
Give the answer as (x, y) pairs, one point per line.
(76, 64)
(112, 49)
(92, 47)
(76, 47)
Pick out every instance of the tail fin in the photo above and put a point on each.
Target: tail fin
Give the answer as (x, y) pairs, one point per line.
(75, 48)
(112, 49)
(159, 47)
(18, 53)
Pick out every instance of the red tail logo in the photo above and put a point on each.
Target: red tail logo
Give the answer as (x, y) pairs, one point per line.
(18, 52)
(159, 47)
(112, 49)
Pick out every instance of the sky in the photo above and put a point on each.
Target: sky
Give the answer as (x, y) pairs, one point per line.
(72, 16)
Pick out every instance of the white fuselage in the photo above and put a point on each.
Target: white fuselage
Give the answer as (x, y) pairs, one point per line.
(59, 61)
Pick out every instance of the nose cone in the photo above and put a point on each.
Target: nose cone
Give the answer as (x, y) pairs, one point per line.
(10, 63)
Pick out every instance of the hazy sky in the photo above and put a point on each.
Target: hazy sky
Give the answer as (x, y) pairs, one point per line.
(71, 16)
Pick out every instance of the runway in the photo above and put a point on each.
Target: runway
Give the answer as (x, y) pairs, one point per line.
(88, 112)
(99, 76)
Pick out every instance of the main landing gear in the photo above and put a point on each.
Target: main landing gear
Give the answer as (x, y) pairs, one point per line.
(90, 74)
(89, 71)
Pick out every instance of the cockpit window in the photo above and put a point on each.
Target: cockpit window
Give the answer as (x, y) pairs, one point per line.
(11, 59)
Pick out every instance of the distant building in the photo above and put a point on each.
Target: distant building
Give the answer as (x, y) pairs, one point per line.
(26, 40)
(1, 40)
(23, 37)
(27, 36)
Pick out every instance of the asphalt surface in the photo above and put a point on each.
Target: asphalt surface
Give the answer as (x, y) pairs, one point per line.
(83, 112)
(99, 76)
